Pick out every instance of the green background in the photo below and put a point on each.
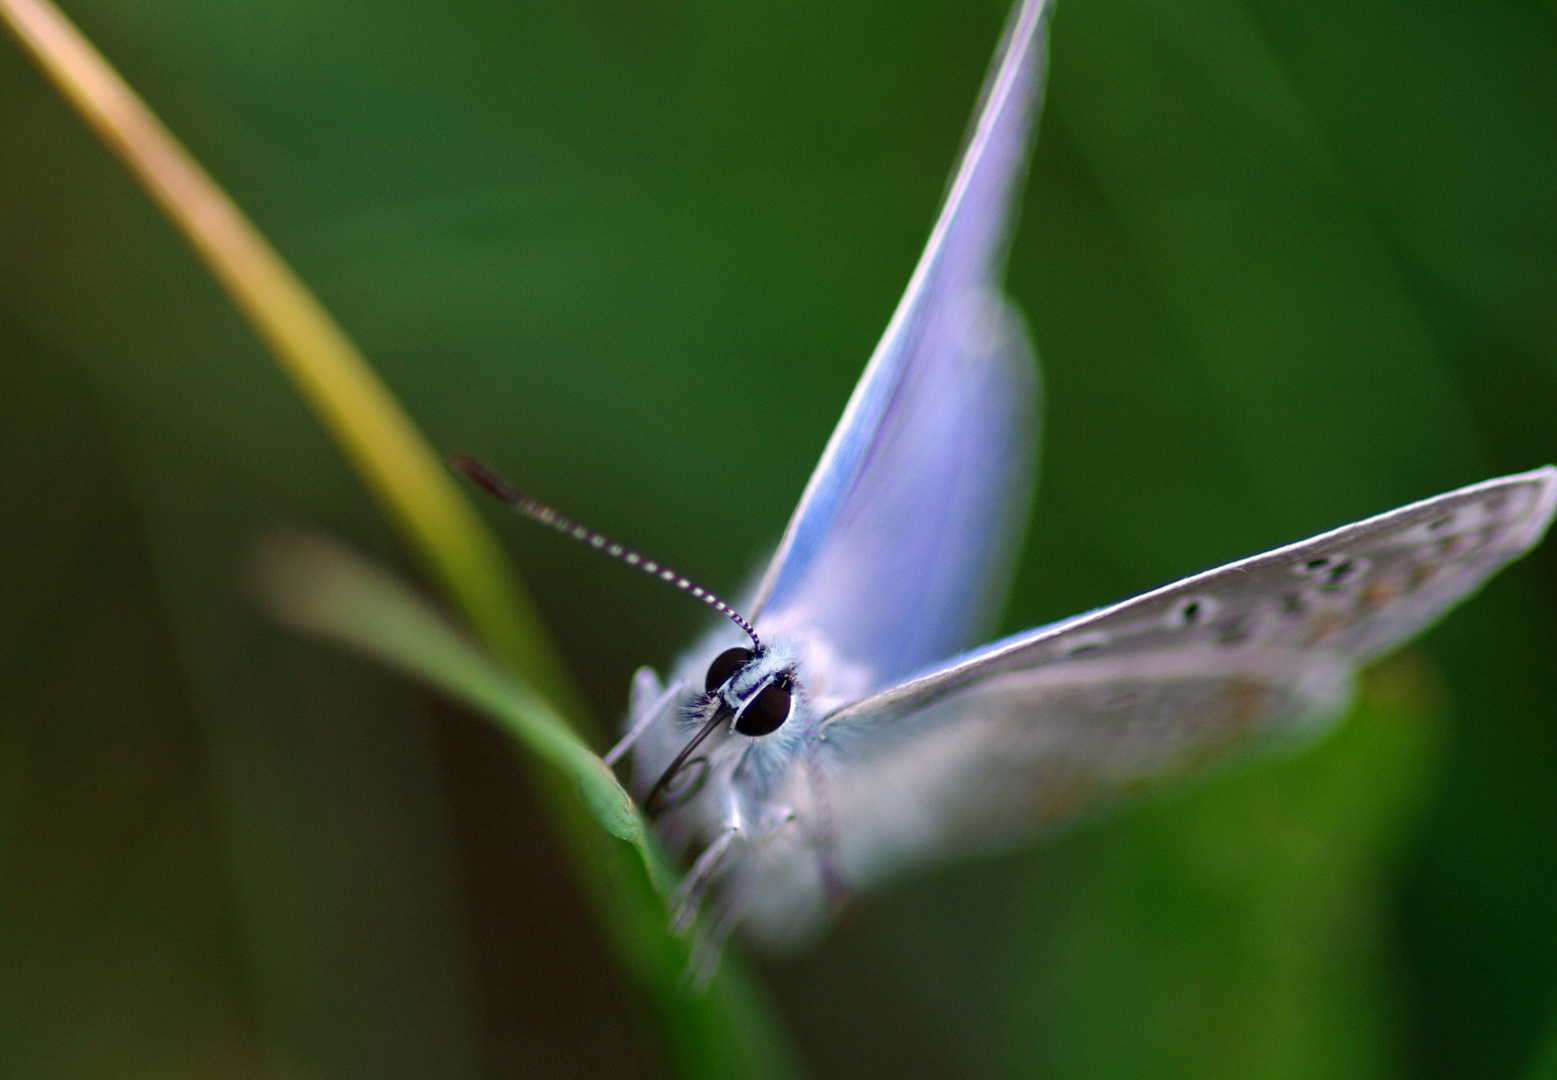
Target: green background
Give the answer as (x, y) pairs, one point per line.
(1288, 264)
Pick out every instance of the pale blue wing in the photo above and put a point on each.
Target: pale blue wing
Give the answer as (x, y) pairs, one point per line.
(900, 549)
(1039, 728)
(1008, 758)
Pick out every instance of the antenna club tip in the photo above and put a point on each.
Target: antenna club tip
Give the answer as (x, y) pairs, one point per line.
(480, 474)
(463, 463)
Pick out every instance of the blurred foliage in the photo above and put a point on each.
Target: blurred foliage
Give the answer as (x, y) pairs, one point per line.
(501, 661)
(1288, 265)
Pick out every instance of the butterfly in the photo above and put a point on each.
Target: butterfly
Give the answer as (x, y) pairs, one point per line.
(840, 731)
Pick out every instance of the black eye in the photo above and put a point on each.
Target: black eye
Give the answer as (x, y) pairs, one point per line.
(767, 711)
(726, 664)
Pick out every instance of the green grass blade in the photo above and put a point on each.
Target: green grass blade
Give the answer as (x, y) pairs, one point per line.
(389, 453)
(726, 1031)
(319, 587)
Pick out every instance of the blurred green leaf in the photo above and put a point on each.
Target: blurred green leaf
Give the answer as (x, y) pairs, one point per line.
(319, 587)
(332, 594)
(1544, 1064)
(316, 586)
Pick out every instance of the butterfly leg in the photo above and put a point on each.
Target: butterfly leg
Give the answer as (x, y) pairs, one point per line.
(689, 894)
(709, 941)
(837, 889)
(833, 884)
(646, 687)
(736, 840)
(711, 934)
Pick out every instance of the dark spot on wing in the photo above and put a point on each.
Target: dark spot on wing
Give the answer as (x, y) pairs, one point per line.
(1192, 611)
(1340, 575)
(1083, 643)
(1441, 523)
(1293, 604)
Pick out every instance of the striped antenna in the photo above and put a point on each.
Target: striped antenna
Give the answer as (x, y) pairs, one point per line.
(536, 510)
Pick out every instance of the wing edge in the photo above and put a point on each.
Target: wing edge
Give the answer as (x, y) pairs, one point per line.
(1028, 20)
(921, 691)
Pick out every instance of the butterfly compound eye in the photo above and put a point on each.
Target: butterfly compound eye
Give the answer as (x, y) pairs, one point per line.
(767, 711)
(725, 664)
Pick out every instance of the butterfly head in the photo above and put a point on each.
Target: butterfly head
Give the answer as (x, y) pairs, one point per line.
(753, 693)
(754, 686)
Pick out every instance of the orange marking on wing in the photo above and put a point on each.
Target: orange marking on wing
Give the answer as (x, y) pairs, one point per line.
(1422, 573)
(1247, 699)
(1377, 594)
(1066, 799)
(1238, 708)
(1325, 626)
